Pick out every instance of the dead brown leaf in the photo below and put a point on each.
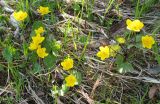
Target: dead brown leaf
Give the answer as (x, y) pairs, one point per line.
(152, 91)
(86, 96)
(96, 84)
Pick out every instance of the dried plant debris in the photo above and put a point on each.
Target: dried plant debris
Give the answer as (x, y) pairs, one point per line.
(79, 51)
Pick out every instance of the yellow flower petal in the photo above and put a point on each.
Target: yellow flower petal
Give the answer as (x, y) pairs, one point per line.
(114, 49)
(67, 64)
(135, 25)
(128, 21)
(20, 16)
(40, 30)
(38, 39)
(103, 53)
(33, 46)
(43, 10)
(121, 40)
(41, 52)
(71, 80)
(147, 41)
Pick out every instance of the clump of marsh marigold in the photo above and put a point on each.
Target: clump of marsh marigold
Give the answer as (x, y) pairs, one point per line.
(36, 41)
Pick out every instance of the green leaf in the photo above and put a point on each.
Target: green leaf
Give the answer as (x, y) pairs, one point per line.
(25, 49)
(63, 90)
(56, 45)
(78, 76)
(59, 91)
(125, 67)
(157, 56)
(1, 68)
(138, 38)
(76, 7)
(33, 57)
(50, 61)
(119, 59)
(83, 39)
(7, 54)
(55, 90)
(48, 45)
(36, 68)
(129, 46)
(138, 45)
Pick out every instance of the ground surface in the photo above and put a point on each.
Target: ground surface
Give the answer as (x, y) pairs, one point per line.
(77, 28)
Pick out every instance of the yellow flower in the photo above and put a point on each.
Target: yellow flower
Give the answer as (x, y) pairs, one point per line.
(121, 40)
(41, 52)
(70, 80)
(33, 46)
(38, 39)
(67, 64)
(135, 25)
(40, 30)
(114, 49)
(147, 41)
(20, 16)
(43, 10)
(103, 53)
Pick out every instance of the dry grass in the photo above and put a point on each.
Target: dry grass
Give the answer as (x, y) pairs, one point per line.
(101, 82)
